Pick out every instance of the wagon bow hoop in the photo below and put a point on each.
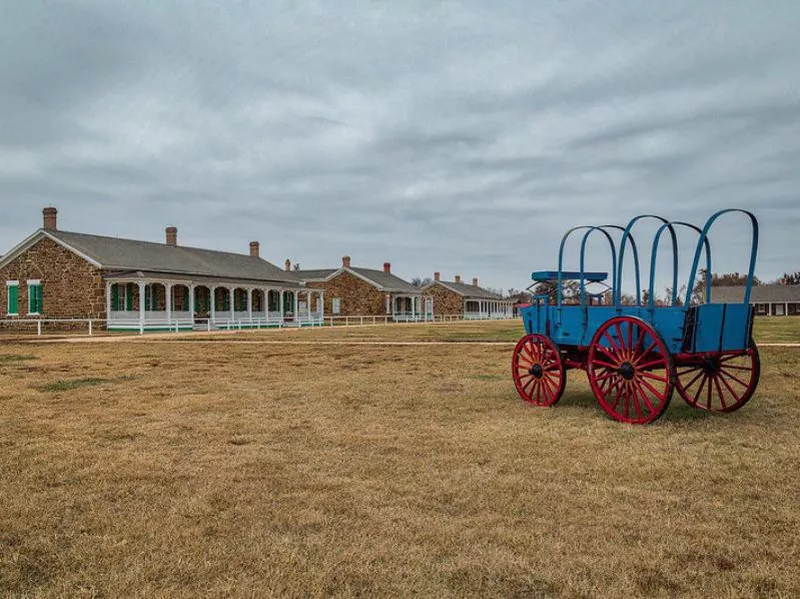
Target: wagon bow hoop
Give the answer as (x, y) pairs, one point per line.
(703, 240)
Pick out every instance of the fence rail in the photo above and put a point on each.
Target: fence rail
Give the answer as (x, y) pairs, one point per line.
(95, 325)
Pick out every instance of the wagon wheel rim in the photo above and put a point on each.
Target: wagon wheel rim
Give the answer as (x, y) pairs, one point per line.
(538, 370)
(630, 370)
(719, 383)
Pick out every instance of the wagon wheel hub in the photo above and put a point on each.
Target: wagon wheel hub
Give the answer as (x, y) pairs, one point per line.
(627, 371)
(537, 371)
(711, 365)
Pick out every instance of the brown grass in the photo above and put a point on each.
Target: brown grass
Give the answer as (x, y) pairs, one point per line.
(200, 468)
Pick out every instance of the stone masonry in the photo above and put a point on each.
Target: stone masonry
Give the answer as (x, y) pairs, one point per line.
(445, 301)
(71, 286)
(358, 298)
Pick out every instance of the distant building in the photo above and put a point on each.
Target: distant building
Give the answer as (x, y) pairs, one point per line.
(768, 300)
(356, 291)
(140, 285)
(454, 298)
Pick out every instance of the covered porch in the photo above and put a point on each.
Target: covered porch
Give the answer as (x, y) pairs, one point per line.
(150, 303)
(411, 308)
(483, 309)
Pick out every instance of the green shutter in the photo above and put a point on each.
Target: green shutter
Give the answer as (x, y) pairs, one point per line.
(129, 297)
(35, 299)
(13, 299)
(115, 297)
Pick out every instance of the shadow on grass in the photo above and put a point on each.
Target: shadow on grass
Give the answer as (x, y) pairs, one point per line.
(678, 410)
(71, 384)
(11, 358)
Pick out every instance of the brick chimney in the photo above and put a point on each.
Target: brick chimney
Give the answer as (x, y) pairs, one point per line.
(287, 266)
(345, 261)
(50, 219)
(387, 268)
(255, 248)
(437, 276)
(172, 236)
(458, 278)
(475, 282)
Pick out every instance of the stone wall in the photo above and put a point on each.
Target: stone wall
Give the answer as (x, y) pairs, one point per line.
(358, 298)
(445, 301)
(71, 286)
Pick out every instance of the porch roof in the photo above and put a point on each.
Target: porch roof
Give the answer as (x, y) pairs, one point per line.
(382, 280)
(467, 291)
(162, 277)
(113, 253)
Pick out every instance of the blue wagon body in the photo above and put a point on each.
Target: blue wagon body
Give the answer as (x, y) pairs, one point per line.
(636, 354)
(706, 328)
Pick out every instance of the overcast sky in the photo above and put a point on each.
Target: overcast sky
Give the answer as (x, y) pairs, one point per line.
(463, 137)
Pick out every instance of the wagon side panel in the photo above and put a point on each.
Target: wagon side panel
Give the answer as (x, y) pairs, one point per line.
(720, 327)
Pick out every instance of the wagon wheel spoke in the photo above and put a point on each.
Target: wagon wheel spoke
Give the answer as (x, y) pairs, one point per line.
(646, 352)
(652, 389)
(720, 394)
(735, 395)
(700, 390)
(732, 367)
(724, 372)
(636, 405)
(649, 374)
(647, 400)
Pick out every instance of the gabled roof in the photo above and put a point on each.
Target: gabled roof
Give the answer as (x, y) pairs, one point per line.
(116, 254)
(382, 280)
(315, 275)
(467, 291)
(759, 294)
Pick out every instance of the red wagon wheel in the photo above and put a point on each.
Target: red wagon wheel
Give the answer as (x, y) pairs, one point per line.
(630, 370)
(720, 383)
(538, 370)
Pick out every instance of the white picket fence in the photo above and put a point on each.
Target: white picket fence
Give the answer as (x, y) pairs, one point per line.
(92, 326)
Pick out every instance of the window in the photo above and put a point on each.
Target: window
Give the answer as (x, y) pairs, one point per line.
(34, 297)
(13, 297)
(336, 305)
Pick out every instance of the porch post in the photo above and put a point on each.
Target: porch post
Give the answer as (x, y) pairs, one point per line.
(232, 296)
(281, 299)
(108, 302)
(213, 303)
(191, 303)
(250, 304)
(413, 308)
(142, 285)
(168, 301)
(308, 300)
(296, 302)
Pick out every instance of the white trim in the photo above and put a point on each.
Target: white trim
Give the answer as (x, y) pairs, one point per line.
(21, 247)
(12, 283)
(34, 281)
(36, 236)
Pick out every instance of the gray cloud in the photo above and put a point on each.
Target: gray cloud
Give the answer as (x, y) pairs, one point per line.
(439, 136)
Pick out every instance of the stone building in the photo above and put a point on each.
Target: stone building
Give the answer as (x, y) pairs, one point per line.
(471, 302)
(768, 300)
(139, 285)
(354, 291)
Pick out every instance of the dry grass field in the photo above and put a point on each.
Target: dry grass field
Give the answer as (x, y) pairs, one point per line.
(226, 466)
